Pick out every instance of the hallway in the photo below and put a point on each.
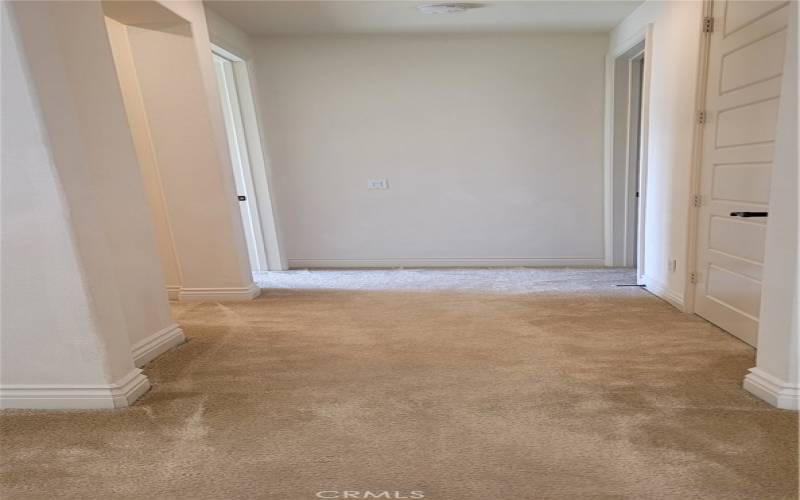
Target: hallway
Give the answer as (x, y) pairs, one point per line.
(461, 384)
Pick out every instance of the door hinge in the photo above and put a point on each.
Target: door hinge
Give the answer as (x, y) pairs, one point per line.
(697, 200)
(693, 278)
(701, 117)
(708, 25)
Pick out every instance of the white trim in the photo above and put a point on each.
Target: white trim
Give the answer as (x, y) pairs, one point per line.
(76, 397)
(631, 201)
(644, 145)
(257, 153)
(220, 294)
(773, 390)
(241, 163)
(643, 35)
(663, 292)
(445, 262)
(173, 291)
(156, 344)
(696, 166)
(219, 50)
(631, 41)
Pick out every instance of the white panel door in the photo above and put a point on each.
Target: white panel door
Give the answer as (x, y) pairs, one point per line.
(744, 80)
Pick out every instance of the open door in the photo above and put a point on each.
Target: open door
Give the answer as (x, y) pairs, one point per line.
(629, 158)
(746, 57)
(240, 161)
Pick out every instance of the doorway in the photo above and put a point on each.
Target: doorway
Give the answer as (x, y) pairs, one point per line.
(229, 93)
(634, 150)
(628, 159)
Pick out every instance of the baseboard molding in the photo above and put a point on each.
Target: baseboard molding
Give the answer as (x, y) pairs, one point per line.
(220, 294)
(156, 344)
(663, 292)
(76, 397)
(173, 291)
(773, 390)
(446, 262)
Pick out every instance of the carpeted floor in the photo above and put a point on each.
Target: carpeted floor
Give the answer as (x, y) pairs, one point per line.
(460, 384)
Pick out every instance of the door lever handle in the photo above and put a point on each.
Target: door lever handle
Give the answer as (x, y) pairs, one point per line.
(749, 214)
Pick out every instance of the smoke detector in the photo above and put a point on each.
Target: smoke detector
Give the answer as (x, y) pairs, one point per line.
(447, 8)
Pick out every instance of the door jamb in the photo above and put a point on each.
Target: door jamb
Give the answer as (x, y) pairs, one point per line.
(690, 288)
(259, 162)
(642, 166)
(646, 35)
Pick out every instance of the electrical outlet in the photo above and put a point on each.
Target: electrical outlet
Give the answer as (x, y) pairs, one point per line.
(378, 184)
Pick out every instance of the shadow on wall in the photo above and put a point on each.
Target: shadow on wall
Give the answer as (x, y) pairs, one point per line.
(182, 156)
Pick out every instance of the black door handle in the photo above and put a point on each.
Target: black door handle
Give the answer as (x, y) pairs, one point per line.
(242, 198)
(749, 214)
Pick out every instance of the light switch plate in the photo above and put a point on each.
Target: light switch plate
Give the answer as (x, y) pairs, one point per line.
(377, 184)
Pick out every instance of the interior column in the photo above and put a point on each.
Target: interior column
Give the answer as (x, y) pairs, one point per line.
(776, 377)
(65, 341)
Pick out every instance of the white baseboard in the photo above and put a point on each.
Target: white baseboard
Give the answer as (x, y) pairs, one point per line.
(173, 291)
(156, 344)
(663, 292)
(773, 390)
(446, 262)
(220, 294)
(76, 397)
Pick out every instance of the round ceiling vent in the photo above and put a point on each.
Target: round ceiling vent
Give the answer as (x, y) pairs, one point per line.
(447, 8)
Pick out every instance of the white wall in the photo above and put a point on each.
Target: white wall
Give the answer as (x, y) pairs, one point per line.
(48, 321)
(164, 64)
(196, 196)
(102, 176)
(492, 146)
(80, 271)
(675, 50)
(145, 152)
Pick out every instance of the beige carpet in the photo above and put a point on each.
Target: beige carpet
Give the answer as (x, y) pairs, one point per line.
(508, 384)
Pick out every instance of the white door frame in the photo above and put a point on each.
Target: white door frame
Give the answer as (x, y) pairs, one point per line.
(632, 206)
(259, 169)
(645, 35)
(689, 288)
